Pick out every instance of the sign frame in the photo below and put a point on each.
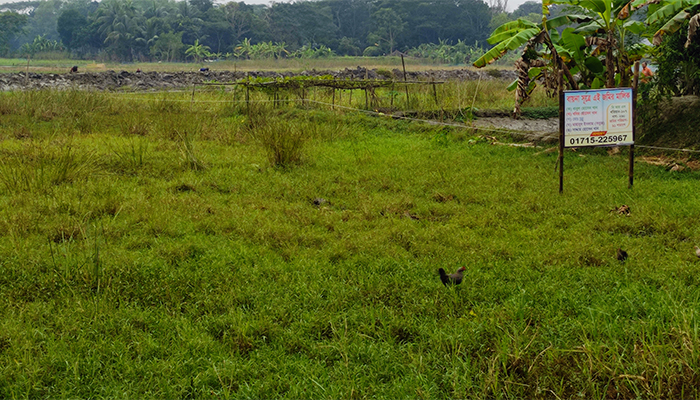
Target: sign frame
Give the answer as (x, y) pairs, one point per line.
(631, 118)
(598, 117)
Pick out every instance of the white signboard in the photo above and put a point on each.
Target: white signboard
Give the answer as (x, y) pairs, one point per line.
(600, 117)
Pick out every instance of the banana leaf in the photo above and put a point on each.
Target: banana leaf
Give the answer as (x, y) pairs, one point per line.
(666, 11)
(670, 27)
(502, 48)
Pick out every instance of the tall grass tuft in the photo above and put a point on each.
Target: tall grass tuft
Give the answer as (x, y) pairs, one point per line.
(39, 166)
(186, 145)
(283, 141)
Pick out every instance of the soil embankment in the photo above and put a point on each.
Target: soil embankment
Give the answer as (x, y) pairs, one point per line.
(124, 80)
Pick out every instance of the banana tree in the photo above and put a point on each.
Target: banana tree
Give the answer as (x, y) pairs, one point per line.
(606, 33)
(532, 64)
(600, 30)
(672, 13)
(197, 51)
(243, 49)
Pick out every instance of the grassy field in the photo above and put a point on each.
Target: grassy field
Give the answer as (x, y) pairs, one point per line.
(160, 249)
(287, 64)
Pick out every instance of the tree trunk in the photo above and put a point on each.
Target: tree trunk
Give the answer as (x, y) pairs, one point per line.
(610, 62)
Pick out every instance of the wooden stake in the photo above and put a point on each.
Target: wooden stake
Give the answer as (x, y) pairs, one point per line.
(333, 102)
(561, 132)
(192, 101)
(635, 84)
(434, 90)
(366, 98)
(26, 75)
(403, 63)
(247, 93)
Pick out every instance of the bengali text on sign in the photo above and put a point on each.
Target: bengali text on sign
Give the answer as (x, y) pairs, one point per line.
(598, 117)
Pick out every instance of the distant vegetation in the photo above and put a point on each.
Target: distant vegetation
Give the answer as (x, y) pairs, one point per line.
(163, 30)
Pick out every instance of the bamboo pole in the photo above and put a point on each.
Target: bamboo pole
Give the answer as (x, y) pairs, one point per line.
(635, 84)
(561, 132)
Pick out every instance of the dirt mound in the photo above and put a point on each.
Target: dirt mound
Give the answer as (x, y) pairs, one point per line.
(671, 123)
(124, 80)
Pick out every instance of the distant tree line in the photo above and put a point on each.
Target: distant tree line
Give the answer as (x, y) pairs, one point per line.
(170, 30)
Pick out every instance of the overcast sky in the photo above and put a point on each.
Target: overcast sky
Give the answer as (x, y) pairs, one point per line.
(512, 4)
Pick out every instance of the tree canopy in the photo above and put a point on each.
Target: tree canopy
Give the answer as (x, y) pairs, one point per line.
(129, 30)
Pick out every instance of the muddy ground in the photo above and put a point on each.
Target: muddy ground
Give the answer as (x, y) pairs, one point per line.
(538, 130)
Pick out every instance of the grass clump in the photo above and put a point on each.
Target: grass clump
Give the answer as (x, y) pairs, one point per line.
(283, 140)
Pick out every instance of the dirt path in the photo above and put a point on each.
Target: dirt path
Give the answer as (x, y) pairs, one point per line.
(535, 130)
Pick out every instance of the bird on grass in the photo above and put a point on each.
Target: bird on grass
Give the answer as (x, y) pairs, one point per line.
(697, 251)
(621, 255)
(452, 279)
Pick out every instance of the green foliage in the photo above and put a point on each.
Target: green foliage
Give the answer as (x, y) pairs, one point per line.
(69, 24)
(283, 141)
(677, 70)
(507, 37)
(541, 112)
(126, 30)
(41, 45)
(11, 25)
(387, 25)
(198, 51)
(168, 47)
(446, 53)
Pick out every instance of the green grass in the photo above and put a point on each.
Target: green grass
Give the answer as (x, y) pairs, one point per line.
(128, 270)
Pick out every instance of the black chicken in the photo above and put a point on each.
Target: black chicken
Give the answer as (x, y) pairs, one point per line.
(452, 279)
(621, 255)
